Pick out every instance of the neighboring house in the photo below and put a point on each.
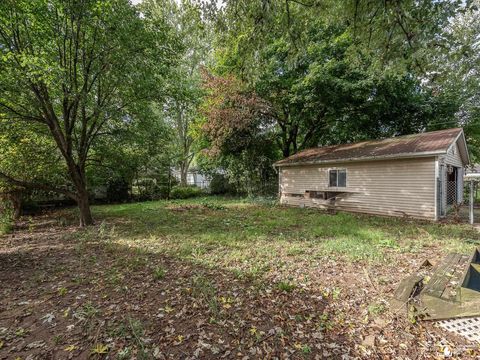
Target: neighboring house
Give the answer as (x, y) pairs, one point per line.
(194, 177)
(418, 175)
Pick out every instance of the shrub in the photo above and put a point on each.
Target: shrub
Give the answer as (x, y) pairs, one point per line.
(219, 185)
(7, 214)
(185, 192)
(6, 225)
(117, 191)
(213, 206)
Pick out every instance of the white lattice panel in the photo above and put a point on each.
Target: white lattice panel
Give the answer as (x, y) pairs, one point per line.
(451, 192)
(466, 327)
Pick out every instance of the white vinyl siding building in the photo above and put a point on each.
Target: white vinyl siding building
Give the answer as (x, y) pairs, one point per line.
(416, 185)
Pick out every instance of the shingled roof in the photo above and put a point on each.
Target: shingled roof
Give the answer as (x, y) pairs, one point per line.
(423, 144)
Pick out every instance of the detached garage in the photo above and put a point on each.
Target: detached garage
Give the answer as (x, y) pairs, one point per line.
(419, 175)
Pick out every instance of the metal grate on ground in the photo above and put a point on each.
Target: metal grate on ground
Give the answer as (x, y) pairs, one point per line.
(466, 327)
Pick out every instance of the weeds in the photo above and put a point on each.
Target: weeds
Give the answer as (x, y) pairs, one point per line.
(6, 221)
(286, 286)
(86, 315)
(203, 288)
(124, 354)
(114, 276)
(325, 323)
(62, 291)
(159, 273)
(376, 309)
(252, 234)
(212, 206)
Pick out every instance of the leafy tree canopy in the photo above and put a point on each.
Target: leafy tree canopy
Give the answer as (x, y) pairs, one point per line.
(79, 70)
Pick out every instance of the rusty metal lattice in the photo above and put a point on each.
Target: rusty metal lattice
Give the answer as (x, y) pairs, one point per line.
(466, 327)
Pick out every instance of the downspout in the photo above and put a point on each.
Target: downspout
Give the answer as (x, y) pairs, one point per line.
(435, 187)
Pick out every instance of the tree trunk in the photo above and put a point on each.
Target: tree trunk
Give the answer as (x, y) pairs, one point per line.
(83, 202)
(16, 199)
(183, 173)
(13, 201)
(77, 174)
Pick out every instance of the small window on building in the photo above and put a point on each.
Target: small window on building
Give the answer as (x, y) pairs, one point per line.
(338, 178)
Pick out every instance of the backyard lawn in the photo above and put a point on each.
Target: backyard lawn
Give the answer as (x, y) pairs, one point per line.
(218, 278)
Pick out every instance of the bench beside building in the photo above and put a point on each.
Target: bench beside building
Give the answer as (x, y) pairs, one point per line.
(419, 175)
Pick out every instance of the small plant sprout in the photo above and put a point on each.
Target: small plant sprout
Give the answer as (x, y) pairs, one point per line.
(376, 309)
(62, 291)
(286, 286)
(70, 348)
(99, 349)
(159, 273)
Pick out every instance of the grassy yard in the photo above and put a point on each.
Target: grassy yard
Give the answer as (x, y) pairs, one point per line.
(218, 278)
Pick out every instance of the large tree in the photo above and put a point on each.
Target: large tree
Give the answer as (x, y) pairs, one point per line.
(322, 85)
(75, 68)
(238, 130)
(180, 107)
(454, 67)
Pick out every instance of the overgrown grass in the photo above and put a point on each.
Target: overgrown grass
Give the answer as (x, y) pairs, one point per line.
(253, 238)
(6, 222)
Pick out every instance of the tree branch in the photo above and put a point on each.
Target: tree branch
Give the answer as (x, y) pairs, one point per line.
(37, 186)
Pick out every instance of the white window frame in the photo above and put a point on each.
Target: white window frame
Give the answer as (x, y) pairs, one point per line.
(337, 170)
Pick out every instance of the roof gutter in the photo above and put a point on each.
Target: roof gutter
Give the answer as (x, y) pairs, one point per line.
(367, 158)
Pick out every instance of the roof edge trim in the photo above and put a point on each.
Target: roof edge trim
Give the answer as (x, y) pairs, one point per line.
(366, 158)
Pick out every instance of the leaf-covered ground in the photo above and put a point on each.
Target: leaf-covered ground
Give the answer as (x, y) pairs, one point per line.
(217, 278)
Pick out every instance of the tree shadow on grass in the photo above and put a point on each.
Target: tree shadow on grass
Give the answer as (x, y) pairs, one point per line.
(89, 297)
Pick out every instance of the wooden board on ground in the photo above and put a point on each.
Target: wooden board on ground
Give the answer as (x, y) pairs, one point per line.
(450, 290)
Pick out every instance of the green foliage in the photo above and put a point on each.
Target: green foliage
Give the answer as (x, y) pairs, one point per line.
(213, 205)
(286, 286)
(203, 288)
(321, 95)
(219, 185)
(27, 154)
(117, 190)
(104, 93)
(238, 134)
(185, 192)
(376, 309)
(180, 108)
(252, 237)
(6, 219)
(309, 80)
(454, 68)
(138, 151)
(74, 72)
(159, 273)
